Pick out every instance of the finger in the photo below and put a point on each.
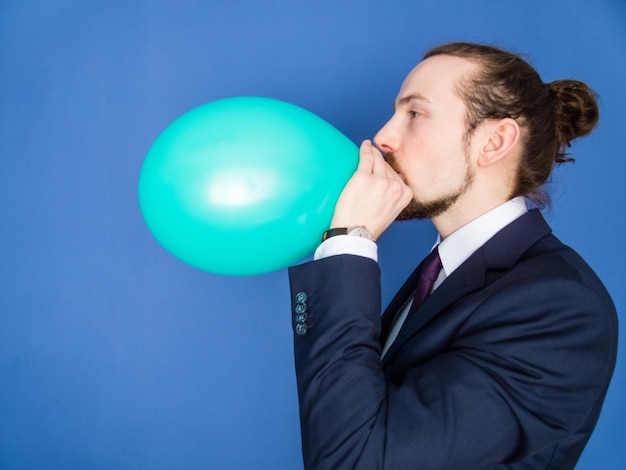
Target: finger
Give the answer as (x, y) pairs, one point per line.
(379, 166)
(366, 157)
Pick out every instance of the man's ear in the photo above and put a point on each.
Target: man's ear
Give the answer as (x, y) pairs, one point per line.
(501, 139)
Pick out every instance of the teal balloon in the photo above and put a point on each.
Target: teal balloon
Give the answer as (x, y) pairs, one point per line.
(244, 185)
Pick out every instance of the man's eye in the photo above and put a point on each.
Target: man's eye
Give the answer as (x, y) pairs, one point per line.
(414, 114)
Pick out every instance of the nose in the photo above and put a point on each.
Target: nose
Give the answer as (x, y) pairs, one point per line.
(387, 139)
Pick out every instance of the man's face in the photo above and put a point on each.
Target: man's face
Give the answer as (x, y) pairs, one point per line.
(424, 139)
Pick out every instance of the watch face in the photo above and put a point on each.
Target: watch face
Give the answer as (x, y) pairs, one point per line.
(360, 232)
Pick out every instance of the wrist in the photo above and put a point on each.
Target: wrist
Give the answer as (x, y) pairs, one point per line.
(347, 245)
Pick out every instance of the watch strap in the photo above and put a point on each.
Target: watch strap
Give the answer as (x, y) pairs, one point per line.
(333, 232)
(359, 231)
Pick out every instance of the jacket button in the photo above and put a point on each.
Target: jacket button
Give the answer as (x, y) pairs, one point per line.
(301, 329)
(301, 318)
(300, 308)
(301, 297)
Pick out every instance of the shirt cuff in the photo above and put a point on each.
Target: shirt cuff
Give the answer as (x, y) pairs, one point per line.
(347, 245)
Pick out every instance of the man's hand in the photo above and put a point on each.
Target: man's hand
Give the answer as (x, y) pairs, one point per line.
(374, 195)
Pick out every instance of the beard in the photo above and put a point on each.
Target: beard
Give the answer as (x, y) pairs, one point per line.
(420, 209)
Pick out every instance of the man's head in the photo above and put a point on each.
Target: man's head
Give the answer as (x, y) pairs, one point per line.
(424, 141)
(511, 124)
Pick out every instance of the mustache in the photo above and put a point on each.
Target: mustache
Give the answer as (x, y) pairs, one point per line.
(390, 158)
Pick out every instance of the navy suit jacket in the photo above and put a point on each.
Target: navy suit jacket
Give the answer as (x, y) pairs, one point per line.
(505, 365)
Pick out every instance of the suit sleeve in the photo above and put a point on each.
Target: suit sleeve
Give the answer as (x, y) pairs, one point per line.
(496, 394)
(341, 385)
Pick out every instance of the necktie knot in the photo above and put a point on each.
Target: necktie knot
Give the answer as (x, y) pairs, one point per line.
(427, 277)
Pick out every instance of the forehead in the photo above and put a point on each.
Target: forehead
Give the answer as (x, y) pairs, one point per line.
(435, 79)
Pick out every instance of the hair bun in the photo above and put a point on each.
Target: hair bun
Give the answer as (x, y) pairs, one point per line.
(576, 112)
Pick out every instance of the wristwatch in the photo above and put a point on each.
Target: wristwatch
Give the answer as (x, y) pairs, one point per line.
(358, 231)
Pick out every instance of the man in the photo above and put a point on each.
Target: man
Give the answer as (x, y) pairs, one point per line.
(506, 363)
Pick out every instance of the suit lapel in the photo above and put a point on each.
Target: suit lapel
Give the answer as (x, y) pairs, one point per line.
(502, 251)
(398, 301)
(467, 278)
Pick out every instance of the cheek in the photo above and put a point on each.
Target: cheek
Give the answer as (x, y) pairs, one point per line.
(433, 166)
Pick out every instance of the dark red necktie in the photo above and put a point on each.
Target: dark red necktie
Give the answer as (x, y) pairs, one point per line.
(428, 274)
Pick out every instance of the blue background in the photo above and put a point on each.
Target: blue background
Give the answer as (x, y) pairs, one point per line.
(114, 354)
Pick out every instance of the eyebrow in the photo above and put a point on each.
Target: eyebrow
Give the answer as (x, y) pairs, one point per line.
(409, 98)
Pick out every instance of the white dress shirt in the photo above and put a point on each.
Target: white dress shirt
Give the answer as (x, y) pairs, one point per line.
(453, 250)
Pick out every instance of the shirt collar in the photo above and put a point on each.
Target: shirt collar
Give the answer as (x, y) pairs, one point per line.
(460, 245)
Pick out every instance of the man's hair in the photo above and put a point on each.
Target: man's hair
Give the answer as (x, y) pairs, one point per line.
(550, 115)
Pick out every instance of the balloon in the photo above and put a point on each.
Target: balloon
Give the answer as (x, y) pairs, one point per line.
(244, 185)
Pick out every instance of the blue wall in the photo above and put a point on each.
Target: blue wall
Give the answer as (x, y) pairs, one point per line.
(114, 354)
